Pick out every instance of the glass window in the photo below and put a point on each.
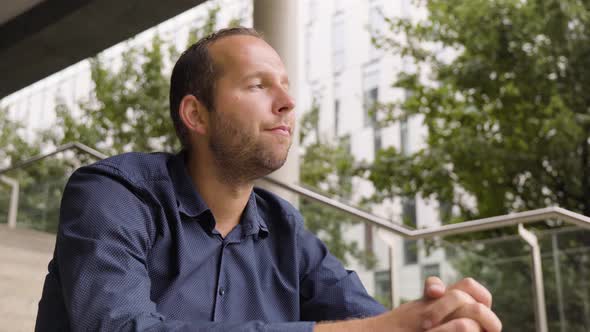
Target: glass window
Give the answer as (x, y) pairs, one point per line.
(410, 252)
(445, 211)
(409, 219)
(383, 287)
(371, 97)
(409, 212)
(336, 116)
(339, 6)
(377, 143)
(376, 25)
(308, 52)
(430, 270)
(404, 136)
(338, 43)
(313, 10)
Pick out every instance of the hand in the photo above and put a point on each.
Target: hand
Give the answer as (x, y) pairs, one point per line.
(463, 307)
(454, 311)
(434, 288)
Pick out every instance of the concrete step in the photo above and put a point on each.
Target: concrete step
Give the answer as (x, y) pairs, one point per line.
(24, 255)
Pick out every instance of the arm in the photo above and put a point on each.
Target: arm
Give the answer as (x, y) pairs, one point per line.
(331, 293)
(106, 230)
(328, 291)
(454, 311)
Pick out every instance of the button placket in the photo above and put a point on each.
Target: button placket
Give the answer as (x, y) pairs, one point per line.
(221, 290)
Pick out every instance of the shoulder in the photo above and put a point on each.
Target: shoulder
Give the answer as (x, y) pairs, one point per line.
(134, 167)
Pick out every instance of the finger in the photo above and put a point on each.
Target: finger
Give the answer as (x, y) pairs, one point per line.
(458, 325)
(475, 290)
(434, 288)
(439, 311)
(481, 314)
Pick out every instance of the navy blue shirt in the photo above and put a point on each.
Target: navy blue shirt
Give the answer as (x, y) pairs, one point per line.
(137, 250)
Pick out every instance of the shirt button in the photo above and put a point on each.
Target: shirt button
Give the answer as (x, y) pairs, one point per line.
(221, 291)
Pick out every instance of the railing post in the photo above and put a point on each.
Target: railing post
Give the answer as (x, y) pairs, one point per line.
(557, 268)
(13, 205)
(540, 308)
(390, 239)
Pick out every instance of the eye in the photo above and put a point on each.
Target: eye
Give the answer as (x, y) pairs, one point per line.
(257, 86)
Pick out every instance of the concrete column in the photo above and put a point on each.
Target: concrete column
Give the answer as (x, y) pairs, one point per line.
(278, 21)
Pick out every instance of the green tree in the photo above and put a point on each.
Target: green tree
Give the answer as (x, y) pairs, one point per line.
(328, 167)
(130, 99)
(499, 86)
(36, 206)
(15, 146)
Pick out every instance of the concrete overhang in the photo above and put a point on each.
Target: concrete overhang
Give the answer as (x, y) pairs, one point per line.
(41, 37)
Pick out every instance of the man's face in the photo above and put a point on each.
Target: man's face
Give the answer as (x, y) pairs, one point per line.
(253, 122)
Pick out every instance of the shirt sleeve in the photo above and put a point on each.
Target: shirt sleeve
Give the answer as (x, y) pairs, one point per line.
(328, 291)
(101, 253)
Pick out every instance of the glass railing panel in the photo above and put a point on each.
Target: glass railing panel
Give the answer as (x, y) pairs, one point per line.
(565, 256)
(502, 265)
(41, 187)
(4, 202)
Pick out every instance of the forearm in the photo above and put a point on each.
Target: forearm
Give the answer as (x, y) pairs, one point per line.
(366, 324)
(153, 324)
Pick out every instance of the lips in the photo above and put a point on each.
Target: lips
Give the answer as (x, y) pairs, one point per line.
(281, 130)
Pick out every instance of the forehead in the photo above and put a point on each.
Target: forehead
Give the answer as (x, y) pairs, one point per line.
(240, 54)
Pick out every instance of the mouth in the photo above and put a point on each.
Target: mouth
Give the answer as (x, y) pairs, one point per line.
(281, 130)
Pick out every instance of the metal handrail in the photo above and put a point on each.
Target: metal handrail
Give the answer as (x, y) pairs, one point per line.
(68, 146)
(14, 195)
(510, 219)
(506, 220)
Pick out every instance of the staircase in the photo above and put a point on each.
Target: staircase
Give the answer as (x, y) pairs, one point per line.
(24, 255)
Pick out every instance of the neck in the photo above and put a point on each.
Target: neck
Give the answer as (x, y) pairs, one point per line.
(226, 200)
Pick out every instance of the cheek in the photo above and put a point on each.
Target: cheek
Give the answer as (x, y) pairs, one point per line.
(236, 104)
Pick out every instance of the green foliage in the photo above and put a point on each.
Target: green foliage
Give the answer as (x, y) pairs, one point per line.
(499, 85)
(15, 147)
(329, 167)
(127, 100)
(40, 185)
(506, 114)
(129, 108)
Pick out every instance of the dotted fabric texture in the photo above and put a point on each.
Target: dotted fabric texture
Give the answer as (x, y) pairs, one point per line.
(137, 250)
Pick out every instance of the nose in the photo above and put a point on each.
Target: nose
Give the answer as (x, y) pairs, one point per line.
(284, 102)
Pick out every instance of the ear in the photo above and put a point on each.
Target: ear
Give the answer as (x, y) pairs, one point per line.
(194, 115)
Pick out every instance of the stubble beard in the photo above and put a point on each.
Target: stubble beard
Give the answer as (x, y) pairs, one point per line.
(239, 157)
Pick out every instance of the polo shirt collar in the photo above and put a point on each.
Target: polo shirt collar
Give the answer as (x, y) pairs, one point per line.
(191, 204)
(251, 220)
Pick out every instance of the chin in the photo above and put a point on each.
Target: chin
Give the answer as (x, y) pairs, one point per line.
(272, 163)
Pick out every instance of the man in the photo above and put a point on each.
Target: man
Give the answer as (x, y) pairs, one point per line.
(184, 242)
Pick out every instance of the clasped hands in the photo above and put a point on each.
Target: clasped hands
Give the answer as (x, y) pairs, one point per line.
(462, 307)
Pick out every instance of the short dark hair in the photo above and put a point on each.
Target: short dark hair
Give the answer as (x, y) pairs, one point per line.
(196, 73)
